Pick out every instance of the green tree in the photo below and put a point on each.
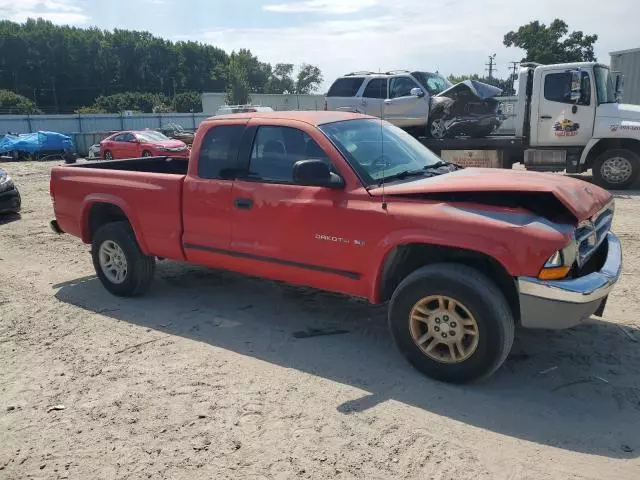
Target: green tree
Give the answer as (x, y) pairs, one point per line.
(552, 44)
(187, 102)
(238, 86)
(14, 104)
(136, 101)
(281, 79)
(309, 78)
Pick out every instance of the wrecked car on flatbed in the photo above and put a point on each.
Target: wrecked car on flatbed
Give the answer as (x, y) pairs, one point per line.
(351, 204)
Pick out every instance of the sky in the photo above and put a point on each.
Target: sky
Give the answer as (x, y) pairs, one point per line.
(340, 36)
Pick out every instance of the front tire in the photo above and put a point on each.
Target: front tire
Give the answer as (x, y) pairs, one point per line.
(119, 263)
(451, 322)
(108, 155)
(617, 168)
(146, 153)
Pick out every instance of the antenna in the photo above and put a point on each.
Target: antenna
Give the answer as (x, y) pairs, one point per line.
(384, 162)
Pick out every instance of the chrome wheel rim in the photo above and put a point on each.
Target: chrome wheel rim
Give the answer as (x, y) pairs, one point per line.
(616, 170)
(437, 128)
(146, 154)
(108, 156)
(113, 261)
(443, 329)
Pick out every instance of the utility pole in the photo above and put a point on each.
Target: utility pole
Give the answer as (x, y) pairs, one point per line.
(491, 65)
(514, 75)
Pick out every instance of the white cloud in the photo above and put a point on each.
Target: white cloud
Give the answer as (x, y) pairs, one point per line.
(323, 6)
(455, 38)
(57, 11)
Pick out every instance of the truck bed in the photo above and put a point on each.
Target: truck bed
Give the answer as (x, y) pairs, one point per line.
(147, 190)
(176, 166)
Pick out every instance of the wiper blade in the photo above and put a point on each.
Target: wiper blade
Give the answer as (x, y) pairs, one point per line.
(401, 175)
(439, 164)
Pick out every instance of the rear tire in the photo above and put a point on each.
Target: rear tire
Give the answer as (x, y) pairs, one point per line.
(617, 168)
(108, 155)
(470, 340)
(115, 250)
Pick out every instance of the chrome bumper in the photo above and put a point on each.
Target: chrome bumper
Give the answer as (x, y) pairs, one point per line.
(565, 303)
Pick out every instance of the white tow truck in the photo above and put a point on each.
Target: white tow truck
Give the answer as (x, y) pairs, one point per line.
(567, 118)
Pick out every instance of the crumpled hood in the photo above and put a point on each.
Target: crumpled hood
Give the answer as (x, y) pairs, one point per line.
(580, 198)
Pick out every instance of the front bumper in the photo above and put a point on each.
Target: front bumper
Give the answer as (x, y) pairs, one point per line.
(10, 201)
(564, 303)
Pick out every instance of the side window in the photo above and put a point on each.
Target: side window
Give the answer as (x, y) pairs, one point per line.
(219, 151)
(376, 88)
(345, 87)
(557, 88)
(118, 138)
(401, 87)
(277, 149)
(128, 137)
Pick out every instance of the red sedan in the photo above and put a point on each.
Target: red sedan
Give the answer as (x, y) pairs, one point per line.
(145, 143)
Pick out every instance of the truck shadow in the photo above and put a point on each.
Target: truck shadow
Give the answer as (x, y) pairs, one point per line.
(577, 390)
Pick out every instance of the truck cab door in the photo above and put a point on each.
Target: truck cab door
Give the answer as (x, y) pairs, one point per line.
(207, 204)
(373, 97)
(408, 104)
(563, 120)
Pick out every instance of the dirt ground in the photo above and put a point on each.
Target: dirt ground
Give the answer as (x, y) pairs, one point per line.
(206, 377)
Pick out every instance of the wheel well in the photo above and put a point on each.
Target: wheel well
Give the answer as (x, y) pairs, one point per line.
(608, 144)
(405, 259)
(102, 213)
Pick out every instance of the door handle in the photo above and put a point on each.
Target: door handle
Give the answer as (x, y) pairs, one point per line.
(244, 203)
(545, 117)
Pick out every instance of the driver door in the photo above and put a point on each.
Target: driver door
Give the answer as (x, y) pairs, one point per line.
(296, 233)
(560, 120)
(403, 109)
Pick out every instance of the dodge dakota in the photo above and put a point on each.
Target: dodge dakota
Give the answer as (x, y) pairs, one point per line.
(352, 204)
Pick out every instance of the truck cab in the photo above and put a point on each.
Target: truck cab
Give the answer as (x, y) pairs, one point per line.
(571, 118)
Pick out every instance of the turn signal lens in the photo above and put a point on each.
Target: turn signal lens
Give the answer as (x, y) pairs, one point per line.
(554, 273)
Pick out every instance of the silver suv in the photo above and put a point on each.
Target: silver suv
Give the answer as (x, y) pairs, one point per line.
(399, 96)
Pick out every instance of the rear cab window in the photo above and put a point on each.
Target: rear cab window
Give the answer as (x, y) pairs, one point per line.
(376, 88)
(345, 87)
(219, 152)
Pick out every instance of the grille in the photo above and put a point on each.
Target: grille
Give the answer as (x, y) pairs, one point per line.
(591, 233)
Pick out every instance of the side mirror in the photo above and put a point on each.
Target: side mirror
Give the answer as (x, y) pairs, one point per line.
(576, 86)
(417, 92)
(316, 173)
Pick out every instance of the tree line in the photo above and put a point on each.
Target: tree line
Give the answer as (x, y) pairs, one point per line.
(67, 69)
(51, 68)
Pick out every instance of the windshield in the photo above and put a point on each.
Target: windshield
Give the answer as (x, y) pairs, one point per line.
(378, 150)
(433, 82)
(604, 85)
(151, 136)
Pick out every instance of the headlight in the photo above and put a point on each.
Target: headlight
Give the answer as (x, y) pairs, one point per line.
(559, 264)
(163, 149)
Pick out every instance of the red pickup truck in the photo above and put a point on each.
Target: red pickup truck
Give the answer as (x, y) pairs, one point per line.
(351, 204)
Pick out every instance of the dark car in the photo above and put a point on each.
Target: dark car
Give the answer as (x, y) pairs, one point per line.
(9, 196)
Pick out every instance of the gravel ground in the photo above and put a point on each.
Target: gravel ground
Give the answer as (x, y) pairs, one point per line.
(205, 377)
